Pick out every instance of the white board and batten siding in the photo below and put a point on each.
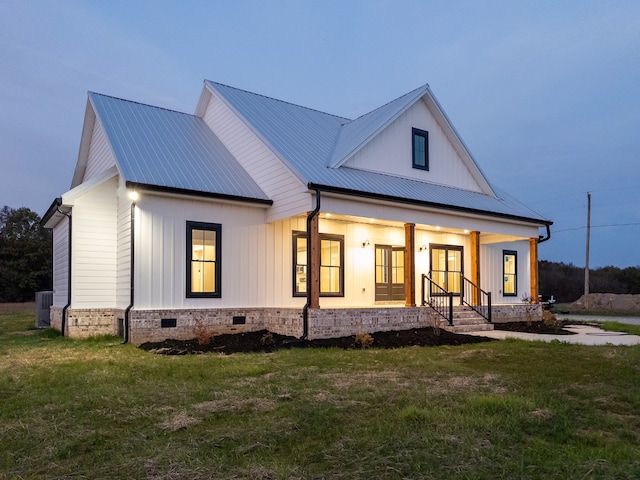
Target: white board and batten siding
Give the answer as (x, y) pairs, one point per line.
(391, 152)
(491, 270)
(161, 252)
(60, 262)
(95, 230)
(123, 275)
(290, 196)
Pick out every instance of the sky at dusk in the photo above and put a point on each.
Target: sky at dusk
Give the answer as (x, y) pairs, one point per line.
(546, 95)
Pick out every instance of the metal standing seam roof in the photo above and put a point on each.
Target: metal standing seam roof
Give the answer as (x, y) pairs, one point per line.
(310, 141)
(168, 149)
(164, 148)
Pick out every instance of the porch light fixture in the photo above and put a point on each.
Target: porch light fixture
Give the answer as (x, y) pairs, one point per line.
(423, 248)
(133, 195)
(365, 244)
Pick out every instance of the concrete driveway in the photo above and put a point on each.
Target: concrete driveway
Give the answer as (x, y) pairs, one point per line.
(584, 334)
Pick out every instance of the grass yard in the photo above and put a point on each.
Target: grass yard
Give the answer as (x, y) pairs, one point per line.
(508, 409)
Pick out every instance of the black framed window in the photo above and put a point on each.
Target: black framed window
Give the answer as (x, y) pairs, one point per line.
(203, 259)
(509, 273)
(331, 265)
(420, 149)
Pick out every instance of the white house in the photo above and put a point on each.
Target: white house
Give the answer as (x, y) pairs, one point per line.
(256, 213)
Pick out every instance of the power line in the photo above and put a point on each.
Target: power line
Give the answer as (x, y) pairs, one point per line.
(598, 226)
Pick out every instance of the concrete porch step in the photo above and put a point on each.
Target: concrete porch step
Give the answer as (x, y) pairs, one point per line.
(466, 320)
(485, 327)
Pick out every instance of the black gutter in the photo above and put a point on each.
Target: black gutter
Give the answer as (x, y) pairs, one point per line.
(131, 276)
(63, 323)
(544, 239)
(422, 203)
(305, 309)
(195, 193)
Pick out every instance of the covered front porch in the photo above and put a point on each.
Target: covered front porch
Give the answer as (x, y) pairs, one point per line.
(431, 262)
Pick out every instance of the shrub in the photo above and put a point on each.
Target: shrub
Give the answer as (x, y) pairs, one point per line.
(363, 340)
(550, 319)
(202, 333)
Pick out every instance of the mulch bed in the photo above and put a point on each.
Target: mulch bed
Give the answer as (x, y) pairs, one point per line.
(534, 327)
(265, 341)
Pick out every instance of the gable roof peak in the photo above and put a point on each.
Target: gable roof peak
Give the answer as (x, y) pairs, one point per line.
(357, 133)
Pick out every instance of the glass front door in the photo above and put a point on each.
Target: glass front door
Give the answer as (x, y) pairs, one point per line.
(446, 267)
(389, 273)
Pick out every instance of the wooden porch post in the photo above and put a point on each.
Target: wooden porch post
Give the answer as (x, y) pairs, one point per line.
(410, 264)
(533, 268)
(313, 261)
(475, 266)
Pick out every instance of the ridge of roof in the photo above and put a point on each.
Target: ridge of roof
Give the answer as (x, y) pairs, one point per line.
(92, 94)
(266, 97)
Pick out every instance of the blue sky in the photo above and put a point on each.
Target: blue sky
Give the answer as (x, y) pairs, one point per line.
(545, 94)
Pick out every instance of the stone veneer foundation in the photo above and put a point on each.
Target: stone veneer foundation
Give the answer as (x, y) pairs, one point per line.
(516, 313)
(159, 325)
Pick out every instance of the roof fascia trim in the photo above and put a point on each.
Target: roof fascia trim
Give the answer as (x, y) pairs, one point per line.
(422, 203)
(211, 86)
(195, 193)
(85, 144)
(52, 216)
(203, 101)
(69, 198)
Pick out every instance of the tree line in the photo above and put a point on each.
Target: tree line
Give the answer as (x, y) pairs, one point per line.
(26, 261)
(565, 281)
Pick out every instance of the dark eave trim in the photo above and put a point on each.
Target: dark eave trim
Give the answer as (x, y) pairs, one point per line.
(195, 193)
(51, 211)
(422, 203)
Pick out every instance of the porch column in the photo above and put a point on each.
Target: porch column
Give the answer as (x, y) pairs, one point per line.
(533, 268)
(475, 266)
(410, 264)
(313, 259)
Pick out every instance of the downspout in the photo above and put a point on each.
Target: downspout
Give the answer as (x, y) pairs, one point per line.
(305, 309)
(66, 307)
(131, 273)
(544, 239)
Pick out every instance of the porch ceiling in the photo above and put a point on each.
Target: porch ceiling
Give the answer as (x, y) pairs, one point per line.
(389, 223)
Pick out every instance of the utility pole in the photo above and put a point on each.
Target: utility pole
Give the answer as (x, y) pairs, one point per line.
(586, 265)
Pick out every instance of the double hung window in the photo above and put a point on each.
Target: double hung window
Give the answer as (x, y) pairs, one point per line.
(203, 259)
(331, 265)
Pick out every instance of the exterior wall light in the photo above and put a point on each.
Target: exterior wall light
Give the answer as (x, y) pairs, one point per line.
(365, 244)
(133, 195)
(423, 248)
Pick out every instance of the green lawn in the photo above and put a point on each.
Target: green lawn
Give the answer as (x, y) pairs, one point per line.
(508, 409)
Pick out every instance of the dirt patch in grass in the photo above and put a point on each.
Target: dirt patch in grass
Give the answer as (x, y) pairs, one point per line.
(254, 342)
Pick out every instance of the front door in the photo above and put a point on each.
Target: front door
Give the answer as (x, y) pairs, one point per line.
(389, 273)
(446, 267)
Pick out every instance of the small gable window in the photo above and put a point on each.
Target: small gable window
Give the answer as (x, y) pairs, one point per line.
(203, 259)
(420, 149)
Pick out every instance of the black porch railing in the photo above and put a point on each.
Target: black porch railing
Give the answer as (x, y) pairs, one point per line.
(476, 299)
(436, 297)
